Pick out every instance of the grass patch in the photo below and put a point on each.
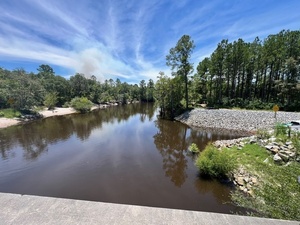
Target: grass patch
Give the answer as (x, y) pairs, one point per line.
(278, 193)
(10, 113)
(250, 156)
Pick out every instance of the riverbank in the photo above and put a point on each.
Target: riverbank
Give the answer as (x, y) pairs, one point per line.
(58, 111)
(243, 122)
(267, 176)
(5, 122)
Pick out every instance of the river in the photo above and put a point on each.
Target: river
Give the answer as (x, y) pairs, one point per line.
(122, 154)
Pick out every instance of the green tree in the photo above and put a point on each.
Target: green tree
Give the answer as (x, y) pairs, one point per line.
(5, 78)
(252, 75)
(150, 91)
(178, 59)
(203, 80)
(79, 85)
(168, 96)
(24, 91)
(142, 90)
(50, 100)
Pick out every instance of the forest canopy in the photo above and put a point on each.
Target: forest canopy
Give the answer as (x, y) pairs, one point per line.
(251, 75)
(21, 90)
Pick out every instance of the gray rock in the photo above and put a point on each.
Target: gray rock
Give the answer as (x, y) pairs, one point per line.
(269, 147)
(272, 148)
(290, 154)
(275, 150)
(253, 140)
(240, 181)
(283, 148)
(277, 158)
(244, 120)
(246, 179)
(284, 156)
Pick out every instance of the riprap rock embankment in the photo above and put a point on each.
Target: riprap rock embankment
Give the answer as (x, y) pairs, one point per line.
(245, 122)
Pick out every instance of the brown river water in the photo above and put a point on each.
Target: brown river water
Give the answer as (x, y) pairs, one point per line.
(123, 154)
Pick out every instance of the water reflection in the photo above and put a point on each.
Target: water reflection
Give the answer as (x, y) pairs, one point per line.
(120, 154)
(171, 142)
(35, 137)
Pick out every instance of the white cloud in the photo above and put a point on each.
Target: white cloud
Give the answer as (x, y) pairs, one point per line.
(128, 39)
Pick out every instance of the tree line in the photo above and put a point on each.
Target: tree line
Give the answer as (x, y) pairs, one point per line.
(22, 91)
(252, 75)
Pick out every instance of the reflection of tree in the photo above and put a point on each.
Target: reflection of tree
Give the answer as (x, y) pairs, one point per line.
(35, 137)
(146, 110)
(171, 143)
(150, 111)
(6, 142)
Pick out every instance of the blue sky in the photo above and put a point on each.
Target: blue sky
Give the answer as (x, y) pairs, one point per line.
(129, 39)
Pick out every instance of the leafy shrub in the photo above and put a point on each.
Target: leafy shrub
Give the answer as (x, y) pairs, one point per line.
(82, 104)
(215, 163)
(194, 148)
(1, 114)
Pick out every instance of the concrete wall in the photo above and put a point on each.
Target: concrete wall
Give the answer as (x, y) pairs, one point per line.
(25, 209)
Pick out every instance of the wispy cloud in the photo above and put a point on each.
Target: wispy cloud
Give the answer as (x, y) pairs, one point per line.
(129, 39)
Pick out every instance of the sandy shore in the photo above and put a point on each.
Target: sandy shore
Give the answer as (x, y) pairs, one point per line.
(4, 122)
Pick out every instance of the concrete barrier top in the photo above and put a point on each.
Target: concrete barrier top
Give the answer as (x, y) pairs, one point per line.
(27, 209)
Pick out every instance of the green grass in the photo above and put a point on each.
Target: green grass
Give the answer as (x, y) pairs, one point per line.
(278, 193)
(10, 113)
(249, 154)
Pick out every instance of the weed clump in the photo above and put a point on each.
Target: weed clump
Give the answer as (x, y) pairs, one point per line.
(194, 148)
(215, 163)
